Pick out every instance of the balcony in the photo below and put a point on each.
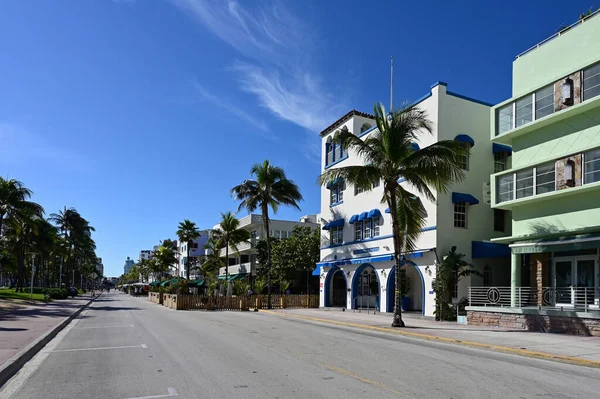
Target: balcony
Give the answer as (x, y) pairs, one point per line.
(244, 246)
(237, 269)
(570, 175)
(557, 101)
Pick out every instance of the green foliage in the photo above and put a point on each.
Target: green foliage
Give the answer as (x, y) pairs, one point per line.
(187, 232)
(241, 287)
(259, 285)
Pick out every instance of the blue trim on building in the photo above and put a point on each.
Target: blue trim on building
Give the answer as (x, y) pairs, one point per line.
(425, 97)
(465, 138)
(353, 219)
(374, 213)
(438, 83)
(486, 249)
(369, 130)
(337, 161)
(391, 283)
(430, 228)
(498, 148)
(451, 93)
(365, 251)
(354, 285)
(328, 283)
(336, 204)
(372, 239)
(462, 197)
(401, 180)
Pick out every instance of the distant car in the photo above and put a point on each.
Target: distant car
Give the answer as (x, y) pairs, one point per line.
(72, 291)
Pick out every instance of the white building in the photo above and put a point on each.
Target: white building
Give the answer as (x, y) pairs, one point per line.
(145, 254)
(243, 262)
(197, 251)
(357, 261)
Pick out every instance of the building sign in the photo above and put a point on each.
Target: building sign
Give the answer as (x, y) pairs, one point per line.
(365, 251)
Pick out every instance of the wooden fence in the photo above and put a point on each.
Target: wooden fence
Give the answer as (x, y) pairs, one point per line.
(237, 303)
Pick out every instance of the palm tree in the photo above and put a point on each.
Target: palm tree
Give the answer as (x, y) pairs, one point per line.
(230, 235)
(187, 232)
(389, 155)
(212, 261)
(270, 189)
(13, 197)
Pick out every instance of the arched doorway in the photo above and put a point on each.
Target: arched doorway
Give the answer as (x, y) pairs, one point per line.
(365, 287)
(335, 288)
(416, 291)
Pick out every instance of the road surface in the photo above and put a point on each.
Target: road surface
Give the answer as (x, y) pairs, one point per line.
(125, 347)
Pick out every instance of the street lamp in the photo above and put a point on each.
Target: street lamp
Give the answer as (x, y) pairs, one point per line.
(32, 274)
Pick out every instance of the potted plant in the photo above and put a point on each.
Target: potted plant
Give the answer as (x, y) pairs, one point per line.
(405, 301)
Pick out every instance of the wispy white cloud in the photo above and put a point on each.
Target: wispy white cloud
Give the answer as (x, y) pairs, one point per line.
(278, 48)
(230, 107)
(20, 145)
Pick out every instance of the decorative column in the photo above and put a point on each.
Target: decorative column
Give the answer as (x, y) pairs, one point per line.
(515, 279)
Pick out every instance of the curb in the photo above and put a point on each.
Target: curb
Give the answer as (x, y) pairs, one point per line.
(496, 348)
(18, 360)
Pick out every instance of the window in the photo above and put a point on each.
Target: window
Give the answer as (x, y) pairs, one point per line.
(591, 166)
(329, 158)
(499, 220)
(504, 188)
(358, 190)
(358, 231)
(463, 158)
(545, 179)
(376, 224)
(455, 290)
(544, 102)
(460, 215)
(365, 127)
(337, 193)
(340, 188)
(367, 232)
(524, 111)
(525, 183)
(487, 276)
(504, 119)
(500, 161)
(333, 196)
(337, 147)
(591, 82)
(336, 235)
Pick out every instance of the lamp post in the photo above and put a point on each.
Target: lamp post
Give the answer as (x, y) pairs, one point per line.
(32, 273)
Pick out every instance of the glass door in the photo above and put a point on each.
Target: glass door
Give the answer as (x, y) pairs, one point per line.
(563, 281)
(586, 287)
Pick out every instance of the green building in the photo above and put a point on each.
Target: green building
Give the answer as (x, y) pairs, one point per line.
(549, 185)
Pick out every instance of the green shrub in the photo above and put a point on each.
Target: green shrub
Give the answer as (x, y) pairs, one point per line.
(57, 293)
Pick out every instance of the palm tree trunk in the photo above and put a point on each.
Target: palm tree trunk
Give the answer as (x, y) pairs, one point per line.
(226, 268)
(265, 216)
(398, 246)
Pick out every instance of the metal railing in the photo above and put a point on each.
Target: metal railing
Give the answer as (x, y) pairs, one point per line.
(364, 302)
(519, 297)
(559, 33)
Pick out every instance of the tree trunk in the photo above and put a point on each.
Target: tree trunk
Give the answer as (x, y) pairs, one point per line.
(227, 268)
(265, 216)
(398, 246)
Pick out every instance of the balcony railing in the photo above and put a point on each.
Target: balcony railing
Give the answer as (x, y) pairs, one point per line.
(584, 298)
(240, 247)
(237, 269)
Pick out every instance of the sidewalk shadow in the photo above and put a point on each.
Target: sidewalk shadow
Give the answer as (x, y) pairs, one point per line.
(13, 329)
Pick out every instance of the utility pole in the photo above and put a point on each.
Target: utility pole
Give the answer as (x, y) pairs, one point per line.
(392, 85)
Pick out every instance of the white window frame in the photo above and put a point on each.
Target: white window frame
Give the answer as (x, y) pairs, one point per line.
(367, 229)
(376, 231)
(500, 161)
(461, 208)
(463, 159)
(336, 235)
(358, 230)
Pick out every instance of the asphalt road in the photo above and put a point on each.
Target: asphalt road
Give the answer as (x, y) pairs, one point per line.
(124, 347)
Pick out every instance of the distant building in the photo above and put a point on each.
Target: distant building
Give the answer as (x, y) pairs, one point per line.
(197, 251)
(145, 254)
(243, 263)
(128, 265)
(100, 267)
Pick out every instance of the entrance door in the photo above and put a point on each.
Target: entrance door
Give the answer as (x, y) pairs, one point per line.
(563, 281)
(585, 269)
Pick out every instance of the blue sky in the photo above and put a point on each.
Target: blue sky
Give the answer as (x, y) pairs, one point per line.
(142, 113)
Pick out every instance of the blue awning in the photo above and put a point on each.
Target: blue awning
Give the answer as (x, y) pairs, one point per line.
(497, 148)
(363, 216)
(353, 218)
(335, 223)
(415, 146)
(374, 213)
(317, 271)
(462, 197)
(372, 259)
(487, 249)
(388, 210)
(465, 138)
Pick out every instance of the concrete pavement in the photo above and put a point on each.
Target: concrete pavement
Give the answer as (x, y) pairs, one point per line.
(522, 342)
(125, 347)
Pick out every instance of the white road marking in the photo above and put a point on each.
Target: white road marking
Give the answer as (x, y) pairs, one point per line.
(17, 380)
(171, 392)
(99, 349)
(82, 328)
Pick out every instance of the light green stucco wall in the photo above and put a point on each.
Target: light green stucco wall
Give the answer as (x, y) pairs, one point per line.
(579, 133)
(560, 214)
(567, 53)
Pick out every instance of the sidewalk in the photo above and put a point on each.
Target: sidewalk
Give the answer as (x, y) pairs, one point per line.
(570, 348)
(22, 325)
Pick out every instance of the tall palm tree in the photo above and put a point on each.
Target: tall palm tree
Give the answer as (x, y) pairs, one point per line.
(187, 232)
(14, 197)
(212, 262)
(388, 154)
(230, 235)
(270, 189)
